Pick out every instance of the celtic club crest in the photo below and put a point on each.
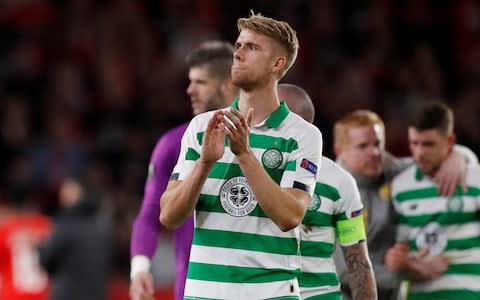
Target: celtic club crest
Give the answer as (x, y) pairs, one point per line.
(315, 203)
(236, 197)
(455, 204)
(272, 158)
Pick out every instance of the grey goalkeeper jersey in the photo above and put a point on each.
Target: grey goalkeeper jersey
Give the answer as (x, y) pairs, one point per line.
(380, 227)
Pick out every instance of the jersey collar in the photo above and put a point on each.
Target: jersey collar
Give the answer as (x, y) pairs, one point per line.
(419, 174)
(276, 118)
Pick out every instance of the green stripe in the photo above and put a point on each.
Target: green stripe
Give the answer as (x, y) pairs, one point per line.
(444, 218)
(209, 203)
(460, 294)
(228, 170)
(329, 296)
(310, 280)
(464, 269)
(316, 249)
(223, 273)
(262, 141)
(432, 192)
(460, 244)
(328, 191)
(245, 241)
(283, 298)
(291, 166)
(318, 218)
(340, 217)
(191, 154)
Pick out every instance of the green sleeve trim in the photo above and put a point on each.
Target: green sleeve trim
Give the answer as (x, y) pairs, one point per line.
(351, 231)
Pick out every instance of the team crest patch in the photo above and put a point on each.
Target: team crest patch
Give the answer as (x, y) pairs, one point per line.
(433, 237)
(272, 158)
(309, 166)
(237, 198)
(455, 204)
(315, 203)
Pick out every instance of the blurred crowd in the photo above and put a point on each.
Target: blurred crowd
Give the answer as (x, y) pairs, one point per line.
(87, 87)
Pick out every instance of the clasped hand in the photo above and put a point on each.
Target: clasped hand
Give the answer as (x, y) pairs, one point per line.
(231, 123)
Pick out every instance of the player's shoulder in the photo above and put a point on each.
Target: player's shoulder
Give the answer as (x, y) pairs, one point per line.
(407, 174)
(333, 173)
(405, 180)
(297, 121)
(473, 174)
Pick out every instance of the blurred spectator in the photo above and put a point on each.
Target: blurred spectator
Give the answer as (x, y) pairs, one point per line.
(78, 254)
(21, 229)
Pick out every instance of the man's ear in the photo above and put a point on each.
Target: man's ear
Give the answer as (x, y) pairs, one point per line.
(337, 150)
(279, 64)
(451, 139)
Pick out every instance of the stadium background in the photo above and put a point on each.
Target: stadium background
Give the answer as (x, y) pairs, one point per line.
(89, 86)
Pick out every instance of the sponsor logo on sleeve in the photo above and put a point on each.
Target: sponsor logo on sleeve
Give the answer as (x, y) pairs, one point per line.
(356, 213)
(309, 166)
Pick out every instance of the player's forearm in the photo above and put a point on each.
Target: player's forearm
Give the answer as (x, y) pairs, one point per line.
(283, 208)
(360, 272)
(179, 199)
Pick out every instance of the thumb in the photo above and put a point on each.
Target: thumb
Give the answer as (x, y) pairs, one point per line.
(250, 117)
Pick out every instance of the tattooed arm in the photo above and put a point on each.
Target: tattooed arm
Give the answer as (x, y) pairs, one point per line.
(360, 272)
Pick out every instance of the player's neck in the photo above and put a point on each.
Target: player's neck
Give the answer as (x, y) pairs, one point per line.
(264, 101)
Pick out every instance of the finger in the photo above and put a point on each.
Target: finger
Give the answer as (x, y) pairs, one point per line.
(422, 253)
(149, 285)
(227, 123)
(235, 117)
(212, 123)
(441, 186)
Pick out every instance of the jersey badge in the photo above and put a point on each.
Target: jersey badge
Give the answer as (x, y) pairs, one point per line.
(272, 158)
(315, 203)
(237, 198)
(455, 204)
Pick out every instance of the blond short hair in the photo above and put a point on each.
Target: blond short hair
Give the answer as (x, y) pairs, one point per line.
(357, 118)
(280, 31)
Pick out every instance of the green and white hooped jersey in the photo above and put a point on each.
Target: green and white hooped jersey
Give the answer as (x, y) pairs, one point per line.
(445, 225)
(237, 251)
(335, 210)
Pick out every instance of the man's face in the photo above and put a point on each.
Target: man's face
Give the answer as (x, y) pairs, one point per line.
(204, 91)
(253, 59)
(429, 148)
(362, 150)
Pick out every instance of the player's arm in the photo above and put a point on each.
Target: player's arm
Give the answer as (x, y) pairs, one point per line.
(352, 237)
(146, 228)
(180, 198)
(286, 207)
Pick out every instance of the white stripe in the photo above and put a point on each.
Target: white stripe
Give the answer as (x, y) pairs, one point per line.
(469, 256)
(247, 291)
(243, 258)
(318, 265)
(310, 292)
(454, 232)
(246, 224)
(449, 282)
(434, 205)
